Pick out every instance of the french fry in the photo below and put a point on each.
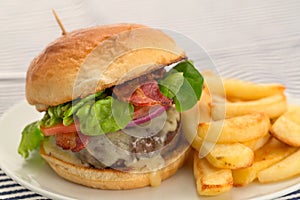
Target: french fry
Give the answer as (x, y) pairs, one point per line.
(243, 90)
(286, 168)
(257, 143)
(203, 147)
(237, 129)
(214, 83)
(269, 154)
(218, 109)
(230, 156)
(287, 127)
(197, 143)
(235, 144)
(227, 156)
(205, 105)
(210, 180)
(273, 106)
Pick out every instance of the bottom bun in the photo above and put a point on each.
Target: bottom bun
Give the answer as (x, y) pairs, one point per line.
(111, 178)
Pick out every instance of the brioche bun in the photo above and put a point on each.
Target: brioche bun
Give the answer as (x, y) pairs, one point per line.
(89, 60)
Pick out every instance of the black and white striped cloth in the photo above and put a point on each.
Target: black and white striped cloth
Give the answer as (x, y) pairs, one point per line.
(10, 190)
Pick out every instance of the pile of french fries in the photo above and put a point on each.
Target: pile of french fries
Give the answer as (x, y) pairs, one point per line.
(247, 132)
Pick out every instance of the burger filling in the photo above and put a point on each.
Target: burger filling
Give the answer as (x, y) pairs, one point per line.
(124, 151)
(123, 126)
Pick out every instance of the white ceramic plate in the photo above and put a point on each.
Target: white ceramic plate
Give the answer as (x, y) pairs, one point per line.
(37, 176)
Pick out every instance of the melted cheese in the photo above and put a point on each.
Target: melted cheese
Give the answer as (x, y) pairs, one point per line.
(66, 155)
(155, 179)
(149, 164)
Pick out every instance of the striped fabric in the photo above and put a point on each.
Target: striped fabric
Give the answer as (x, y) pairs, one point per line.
(10, 190)
(292, 196)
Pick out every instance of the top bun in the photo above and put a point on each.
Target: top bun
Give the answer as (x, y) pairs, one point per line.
(89, 60)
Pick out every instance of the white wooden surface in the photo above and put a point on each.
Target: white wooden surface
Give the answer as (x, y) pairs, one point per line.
(257, 40)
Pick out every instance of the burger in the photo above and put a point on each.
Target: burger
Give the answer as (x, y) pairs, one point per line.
(111, 97)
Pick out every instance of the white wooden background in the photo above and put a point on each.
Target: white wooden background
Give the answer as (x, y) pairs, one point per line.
(257, 40)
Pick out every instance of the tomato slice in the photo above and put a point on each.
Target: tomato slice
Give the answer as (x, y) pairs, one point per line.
(58, 129)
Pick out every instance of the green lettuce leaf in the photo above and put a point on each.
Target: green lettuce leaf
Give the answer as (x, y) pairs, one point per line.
(77, 104)
(104, 116)
(31, 138)
(64, 113)
(171, 84)
(185, 99)
(56, 114)
(192, 75)
(183, 84)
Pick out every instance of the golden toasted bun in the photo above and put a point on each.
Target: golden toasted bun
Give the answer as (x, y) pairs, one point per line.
(88, 60)
(73, 170)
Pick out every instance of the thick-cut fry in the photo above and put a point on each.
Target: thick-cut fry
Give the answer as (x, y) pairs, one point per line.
(216, 90)
(287, 127)
(214, 83)
(269, 154)
(210, 180)
(230, 156)
(235, 144)
(238, 89)
(287, 168)
(205, 104)
(257, 143)
(273, 106)
(218, 109)
(196, 143)
(203, 147)
(198, 114)
(237, 129)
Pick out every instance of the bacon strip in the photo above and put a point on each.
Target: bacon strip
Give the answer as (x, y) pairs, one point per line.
(71, 141)
(140, 111)
(142, 91)
(149, 94)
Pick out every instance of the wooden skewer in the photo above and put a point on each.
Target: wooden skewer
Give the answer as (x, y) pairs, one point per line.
(64, 32)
